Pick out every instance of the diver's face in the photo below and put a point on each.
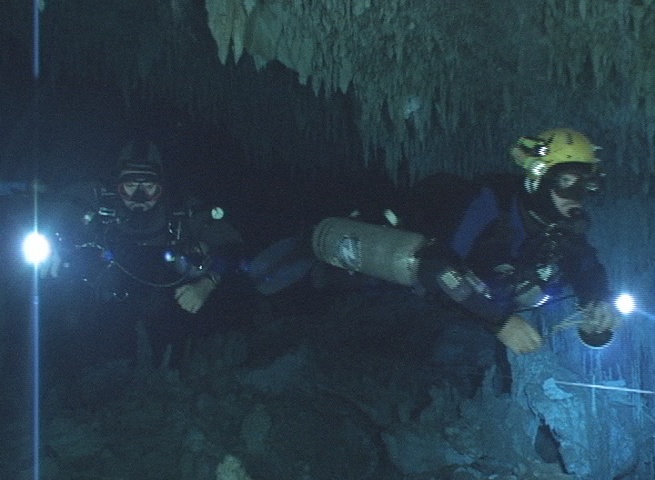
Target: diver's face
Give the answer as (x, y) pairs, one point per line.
(570, 185)
(565, 206)
(139, 196)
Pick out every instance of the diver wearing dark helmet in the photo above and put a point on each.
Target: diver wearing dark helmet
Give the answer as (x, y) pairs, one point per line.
(137, 246)
(515, 243)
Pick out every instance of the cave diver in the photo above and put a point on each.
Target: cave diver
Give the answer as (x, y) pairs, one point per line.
(135, 242)
(516, 244)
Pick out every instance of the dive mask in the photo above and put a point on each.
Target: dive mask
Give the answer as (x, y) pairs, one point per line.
(574, 182)
(139, 191)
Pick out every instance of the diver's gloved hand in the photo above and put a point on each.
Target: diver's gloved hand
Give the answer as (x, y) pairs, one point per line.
(519, 336)
(192, 296)
(50, 267)
(599, 317)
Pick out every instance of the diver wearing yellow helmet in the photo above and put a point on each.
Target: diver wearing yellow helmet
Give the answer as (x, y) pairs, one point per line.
(498, 246)
(561, 168)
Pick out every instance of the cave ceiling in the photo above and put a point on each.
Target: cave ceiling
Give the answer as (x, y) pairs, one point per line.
(424, 85)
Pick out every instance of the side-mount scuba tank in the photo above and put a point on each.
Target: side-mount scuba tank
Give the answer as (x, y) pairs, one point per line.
(380, 251)
(405, 258)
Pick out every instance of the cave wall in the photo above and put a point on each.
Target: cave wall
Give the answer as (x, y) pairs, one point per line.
(420, 86)
(429, 74)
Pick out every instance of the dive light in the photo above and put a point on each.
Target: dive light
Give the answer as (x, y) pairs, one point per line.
(625, 303)
(36, 248)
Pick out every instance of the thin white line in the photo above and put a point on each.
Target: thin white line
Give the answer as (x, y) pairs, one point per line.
(605, 387)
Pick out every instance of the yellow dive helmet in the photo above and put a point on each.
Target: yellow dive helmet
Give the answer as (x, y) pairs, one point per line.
(559, 145)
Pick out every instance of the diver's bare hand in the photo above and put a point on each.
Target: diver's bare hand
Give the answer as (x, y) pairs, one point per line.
(519, 336)
(192, 296)
(599, 317)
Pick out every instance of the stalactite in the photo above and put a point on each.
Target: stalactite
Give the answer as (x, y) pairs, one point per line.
(337, 67)
(444, 53)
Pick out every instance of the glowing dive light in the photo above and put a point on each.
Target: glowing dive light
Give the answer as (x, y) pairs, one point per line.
(36, 248)
(625, 303)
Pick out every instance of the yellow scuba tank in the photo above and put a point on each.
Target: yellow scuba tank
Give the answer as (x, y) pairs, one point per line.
(380, 251)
